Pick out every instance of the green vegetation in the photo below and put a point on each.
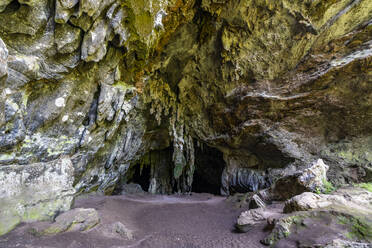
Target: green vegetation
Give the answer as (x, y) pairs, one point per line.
(359, 229)
(328, 188)
(367, 186)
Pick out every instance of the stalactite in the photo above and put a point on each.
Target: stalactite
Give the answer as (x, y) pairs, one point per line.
(183, 152)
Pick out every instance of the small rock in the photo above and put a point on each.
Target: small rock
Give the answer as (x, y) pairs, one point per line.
(122, 230)
(251, 217)
(256, 202)
(116, 230)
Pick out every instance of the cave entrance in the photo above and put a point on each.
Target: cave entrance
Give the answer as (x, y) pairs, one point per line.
(209, 165)
(141, 176)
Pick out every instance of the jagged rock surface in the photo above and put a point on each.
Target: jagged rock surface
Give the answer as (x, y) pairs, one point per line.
(77, 219)
(35, 191)
(122, 84)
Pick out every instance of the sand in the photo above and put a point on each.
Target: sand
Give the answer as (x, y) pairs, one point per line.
(186, 221)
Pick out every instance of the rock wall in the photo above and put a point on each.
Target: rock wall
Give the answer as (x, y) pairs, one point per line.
(119, 83)
(35, 191)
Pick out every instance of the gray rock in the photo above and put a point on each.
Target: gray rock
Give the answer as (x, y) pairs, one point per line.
(3, 4)
(309, 179)
(67, 38)
(3, 60)
(28, 66)
(94, 45)
(116, 230)
(347, 199)
(339, 243)
(131, 188)
(242, 180)
(28, 19)
(63, 14)
(77, 219)
(90, 6)
(256, 202)
(68, 4)
(34, 192)
(248, 219)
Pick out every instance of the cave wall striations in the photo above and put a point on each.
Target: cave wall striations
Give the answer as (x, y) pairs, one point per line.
(110, 84)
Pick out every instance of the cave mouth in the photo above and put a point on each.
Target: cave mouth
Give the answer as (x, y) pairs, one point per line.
(141, 176)
(209, 165)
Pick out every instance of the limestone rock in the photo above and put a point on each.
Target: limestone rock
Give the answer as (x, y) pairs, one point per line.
(270, 85)
(315, 176)
(281, 230)
(256, 202)
(94, 45)
(3, 59)
(28, 66)
(77, 219)
(251, 217)
(116, 230)
(67, 38)
(309, 179)
(131, 188)
(242, 180)
(3, 4)
(35, 191)
(348, 200)
(248, 219)
(339, 243)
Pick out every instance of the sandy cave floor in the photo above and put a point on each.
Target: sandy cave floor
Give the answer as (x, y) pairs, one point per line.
(186, 221)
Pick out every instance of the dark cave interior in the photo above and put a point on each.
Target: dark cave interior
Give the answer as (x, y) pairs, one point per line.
(142, 177)
(209, 165)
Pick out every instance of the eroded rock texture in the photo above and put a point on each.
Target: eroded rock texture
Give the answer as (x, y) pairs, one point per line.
(269, 86)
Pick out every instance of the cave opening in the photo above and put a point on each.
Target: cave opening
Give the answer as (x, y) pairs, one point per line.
(209, 165)
(141, 176)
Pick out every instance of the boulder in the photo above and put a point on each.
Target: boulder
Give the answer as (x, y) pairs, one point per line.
(78, 219)
(35, 191)
(249, 218)
(346, 199)
(309, 179)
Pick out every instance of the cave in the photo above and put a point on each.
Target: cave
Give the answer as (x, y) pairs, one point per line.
(141, 176)
(209, 165)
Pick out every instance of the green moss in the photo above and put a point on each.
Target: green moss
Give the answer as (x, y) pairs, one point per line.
(8, 223)
(328, 188)
(367, 186)
(359, 229)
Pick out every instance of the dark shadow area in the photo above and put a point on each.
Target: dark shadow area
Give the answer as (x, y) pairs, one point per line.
(12, 7)
(141, 177)
(209, 165)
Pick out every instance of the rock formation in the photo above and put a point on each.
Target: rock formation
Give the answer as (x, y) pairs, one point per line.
(127, 88)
